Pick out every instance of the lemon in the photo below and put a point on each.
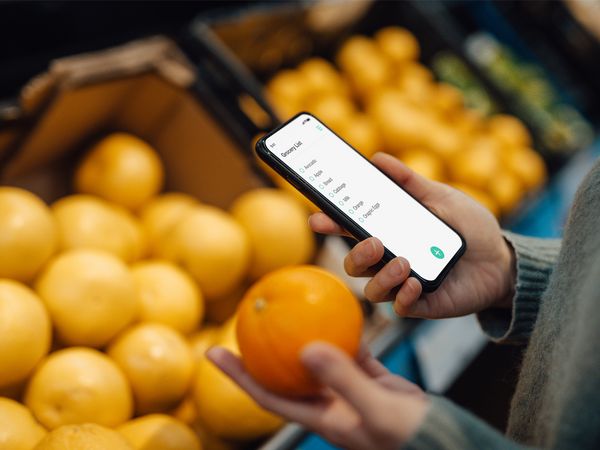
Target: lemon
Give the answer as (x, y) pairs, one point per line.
(28, 234)
(447, 99)
(202, 340)
(167, 295)
(507, 190)
(479, 196)
(527, 165)
(321, 77)
(78, 385)
(220, 309)
(424, 163)
(18, 428)
(509, 130)
(25, 329)
(224, 409)
(398, 44)
(159, 432)
(361, 133)
(161, 214)
(121, 168)
(277, 227)
(87, 436)
(212, 247)
(333, 110)
(185, 411)
(89, 222)
(158, 364)
(90, 294)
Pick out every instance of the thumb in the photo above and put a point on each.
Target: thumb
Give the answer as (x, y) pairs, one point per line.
(412, 182)
(336, 370)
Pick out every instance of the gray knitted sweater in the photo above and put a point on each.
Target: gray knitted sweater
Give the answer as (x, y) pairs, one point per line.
(556, 311)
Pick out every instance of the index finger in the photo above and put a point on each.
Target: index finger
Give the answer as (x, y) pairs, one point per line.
(322, 223)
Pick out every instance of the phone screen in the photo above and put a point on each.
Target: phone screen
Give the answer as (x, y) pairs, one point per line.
(365, 195)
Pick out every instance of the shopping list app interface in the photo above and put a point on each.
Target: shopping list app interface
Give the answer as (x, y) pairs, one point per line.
(365, 195)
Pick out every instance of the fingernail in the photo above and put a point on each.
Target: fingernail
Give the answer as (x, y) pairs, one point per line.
(400, 266)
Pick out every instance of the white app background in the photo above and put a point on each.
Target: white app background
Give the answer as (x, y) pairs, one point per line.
(365, 195)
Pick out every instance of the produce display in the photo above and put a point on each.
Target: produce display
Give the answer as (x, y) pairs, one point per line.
(104, 301)
(378, 97)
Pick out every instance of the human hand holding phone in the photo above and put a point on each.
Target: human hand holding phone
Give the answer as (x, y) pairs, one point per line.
(484, 277)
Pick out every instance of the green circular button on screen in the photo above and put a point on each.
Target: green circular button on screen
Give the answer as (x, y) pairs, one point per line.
(437, 252)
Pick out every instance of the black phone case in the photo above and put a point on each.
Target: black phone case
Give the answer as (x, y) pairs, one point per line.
(340, 218)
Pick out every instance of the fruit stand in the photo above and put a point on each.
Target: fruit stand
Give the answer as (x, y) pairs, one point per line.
(144, 219)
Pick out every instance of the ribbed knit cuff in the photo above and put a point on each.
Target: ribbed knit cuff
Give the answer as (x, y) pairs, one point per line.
(535, 259)
(450, 427)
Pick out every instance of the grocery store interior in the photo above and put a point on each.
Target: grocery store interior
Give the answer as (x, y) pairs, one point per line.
(127, 134)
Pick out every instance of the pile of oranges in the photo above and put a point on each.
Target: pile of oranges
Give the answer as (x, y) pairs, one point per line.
(104, 297)
(380, 98)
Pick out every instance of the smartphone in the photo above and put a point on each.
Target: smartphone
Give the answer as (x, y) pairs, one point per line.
(361, 198)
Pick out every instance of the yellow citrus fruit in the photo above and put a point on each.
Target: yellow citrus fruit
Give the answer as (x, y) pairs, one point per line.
(28, 234)
(224, 409)
(161, 214)
(79, 385)
(361, 133)
(424, 163)
(321, 77)
(400, 121)
(121, 168)
(212, 247)
(527, 165)
(444, 141)
(509, 130)
(507, 190)
(220, 309)
(87, 436)
(167, 295)
(18, 428)
(90, 222)
(159, 432)
(475, 167)
(277, 227)
(158, 363)
(447, 99)
(203, 339)
(185, 411)
(90, 295)
(479, 196)
(333, 110)
(25, 329)
(398, 44)
(288, 91)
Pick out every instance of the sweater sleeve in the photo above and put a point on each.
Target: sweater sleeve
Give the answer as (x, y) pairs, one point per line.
(450, 427)
(535, 259)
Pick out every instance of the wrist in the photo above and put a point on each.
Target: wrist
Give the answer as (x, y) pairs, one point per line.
(509, 276)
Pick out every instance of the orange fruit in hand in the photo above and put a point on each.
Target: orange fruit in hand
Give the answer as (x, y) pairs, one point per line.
(121, 168)
(286, 310)
(28, 234)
